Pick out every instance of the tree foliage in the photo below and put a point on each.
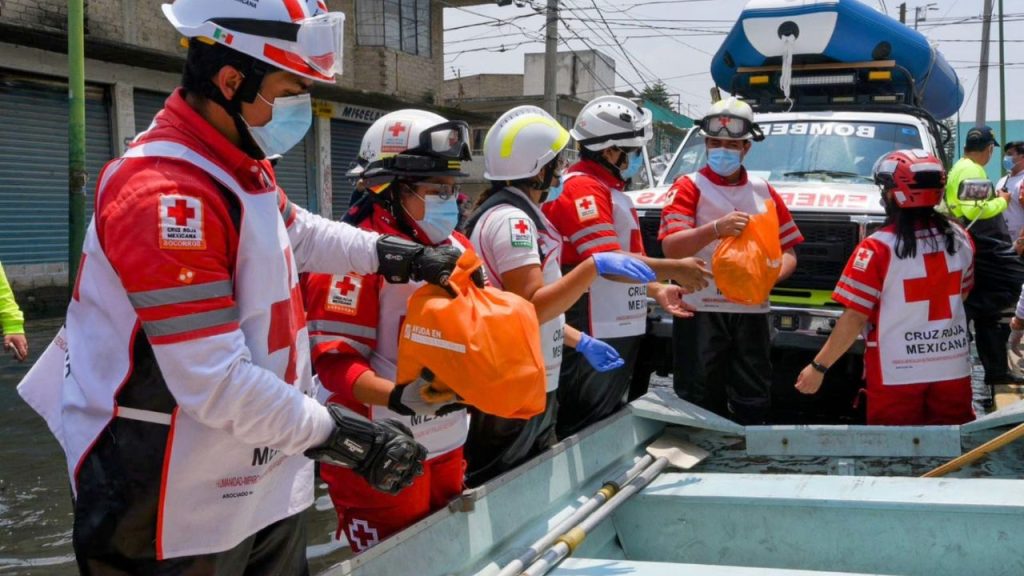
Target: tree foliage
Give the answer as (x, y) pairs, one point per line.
(658, 94)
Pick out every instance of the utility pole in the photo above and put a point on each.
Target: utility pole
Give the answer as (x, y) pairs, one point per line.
(1002, 86)
(76, 137)
(903, 13)
(551, 60)
(986, 33)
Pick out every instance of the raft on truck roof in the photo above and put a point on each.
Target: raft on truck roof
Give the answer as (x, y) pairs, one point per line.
(837, 37)
(767, 500)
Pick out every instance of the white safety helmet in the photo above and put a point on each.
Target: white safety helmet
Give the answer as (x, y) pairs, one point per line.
(730, 119)
(521, 143)
(609, 121)
(298, 36)
(412, 143)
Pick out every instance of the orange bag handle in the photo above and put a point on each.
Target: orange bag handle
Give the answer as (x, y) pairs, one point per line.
(468, 263)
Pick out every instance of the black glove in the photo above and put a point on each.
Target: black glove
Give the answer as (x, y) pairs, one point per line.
(384, 453)
(407, 400)
(402, 260)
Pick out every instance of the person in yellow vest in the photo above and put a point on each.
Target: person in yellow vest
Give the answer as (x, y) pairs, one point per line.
(992, 293)
(12, 321)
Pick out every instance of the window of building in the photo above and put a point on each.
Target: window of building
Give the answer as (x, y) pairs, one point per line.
(398, 24)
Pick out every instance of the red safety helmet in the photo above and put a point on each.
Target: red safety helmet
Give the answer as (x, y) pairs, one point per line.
(915, 177)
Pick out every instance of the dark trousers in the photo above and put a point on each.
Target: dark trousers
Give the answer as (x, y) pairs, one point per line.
(586, 396)
(997, 280)
(722, 362)
(277, 550)
(496, 445)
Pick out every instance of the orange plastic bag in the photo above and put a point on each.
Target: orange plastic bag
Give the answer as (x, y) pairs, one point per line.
(747, 266)
(484, 345)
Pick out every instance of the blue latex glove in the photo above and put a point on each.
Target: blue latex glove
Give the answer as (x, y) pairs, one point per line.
(616, 264)
(600, 355)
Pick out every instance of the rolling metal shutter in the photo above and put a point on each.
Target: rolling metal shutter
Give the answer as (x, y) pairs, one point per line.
(147, 104)
(346, 138)
(293, 174)
(34, 166)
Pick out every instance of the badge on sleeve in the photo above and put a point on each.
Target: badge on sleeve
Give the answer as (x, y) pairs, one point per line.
(586, 208)
(344, 294)
(520, 232)
(181, 223)
(863, 258)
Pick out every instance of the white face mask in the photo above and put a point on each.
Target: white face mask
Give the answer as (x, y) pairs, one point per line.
(289, 122)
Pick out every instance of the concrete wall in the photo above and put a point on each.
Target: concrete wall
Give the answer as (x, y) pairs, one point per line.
(587, 74)
(482, 86)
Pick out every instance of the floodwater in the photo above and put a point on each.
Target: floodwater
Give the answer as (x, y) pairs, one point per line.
(35, 498)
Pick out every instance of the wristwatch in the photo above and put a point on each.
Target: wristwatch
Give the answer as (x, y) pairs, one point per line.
(819, 367)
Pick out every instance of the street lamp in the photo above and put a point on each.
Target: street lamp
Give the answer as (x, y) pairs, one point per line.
(921, 12)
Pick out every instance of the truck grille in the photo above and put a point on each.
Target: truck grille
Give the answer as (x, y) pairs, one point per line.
(823, 254)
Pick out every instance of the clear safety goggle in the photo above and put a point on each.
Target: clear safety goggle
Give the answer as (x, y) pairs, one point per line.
(317, 42)
(449, 140)
(726, 126)
(444, 191)
(320, 42)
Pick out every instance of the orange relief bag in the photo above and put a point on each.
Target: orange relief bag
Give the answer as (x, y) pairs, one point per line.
(747, 266)
(484, 344)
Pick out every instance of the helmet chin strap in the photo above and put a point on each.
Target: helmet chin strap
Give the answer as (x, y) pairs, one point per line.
(549, 178)
(613, 168)
(246, 92)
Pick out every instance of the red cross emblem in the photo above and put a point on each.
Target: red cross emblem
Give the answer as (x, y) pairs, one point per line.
(936, 288)
(287, 317)
(396, 129)
(181, 212)
(522, 227)
(362, 535)
(586, 204)
(345, 286)
(723, 121)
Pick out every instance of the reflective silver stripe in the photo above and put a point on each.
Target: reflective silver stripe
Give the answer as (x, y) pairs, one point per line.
(357, 346)
(342, 328)
(679, 217)
(794, 235)
(191, 322)
(676, 226)
(288, 213)
(142, 415)
(595, 243)
(181, 295)
(854, 298)
(787, 226)
(860, 286)
(591, 230)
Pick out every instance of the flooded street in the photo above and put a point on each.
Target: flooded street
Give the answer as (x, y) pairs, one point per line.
(35, 500)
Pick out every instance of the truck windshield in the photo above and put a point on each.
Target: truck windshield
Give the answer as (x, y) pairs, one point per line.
(802, 151)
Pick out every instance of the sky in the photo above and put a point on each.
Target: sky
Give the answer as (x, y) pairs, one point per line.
(675, 40)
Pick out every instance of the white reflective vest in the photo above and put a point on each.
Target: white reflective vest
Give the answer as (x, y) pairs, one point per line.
(715, 202)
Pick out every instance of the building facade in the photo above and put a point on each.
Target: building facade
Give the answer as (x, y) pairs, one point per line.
(394, 57)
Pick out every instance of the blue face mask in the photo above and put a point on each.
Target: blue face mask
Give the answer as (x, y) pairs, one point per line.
(289, 122)
(440, 218)
(1009, 162)
(554, 191)
(636, 162)
(723, 161)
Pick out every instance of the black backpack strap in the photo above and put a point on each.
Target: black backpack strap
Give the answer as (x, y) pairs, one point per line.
(507, 197)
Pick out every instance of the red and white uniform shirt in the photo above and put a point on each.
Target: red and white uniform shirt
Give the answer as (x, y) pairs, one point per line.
(703, 197)
(593, 215)
(918, 328)
(507, 240)
(193, 245)
(355, 323)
